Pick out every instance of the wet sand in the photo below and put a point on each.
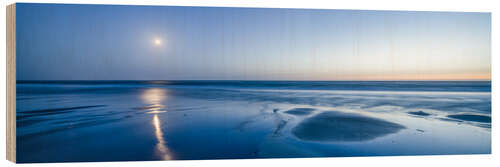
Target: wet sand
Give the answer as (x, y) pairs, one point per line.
(337, 126)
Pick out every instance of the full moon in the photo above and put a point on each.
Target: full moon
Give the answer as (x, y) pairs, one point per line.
(157, 41)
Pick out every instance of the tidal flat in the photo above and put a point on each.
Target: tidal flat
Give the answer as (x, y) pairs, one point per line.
(70, 121)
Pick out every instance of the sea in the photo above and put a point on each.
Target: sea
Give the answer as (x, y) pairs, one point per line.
(85, 121)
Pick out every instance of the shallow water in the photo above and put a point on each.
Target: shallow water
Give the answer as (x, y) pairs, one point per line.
(61, 121)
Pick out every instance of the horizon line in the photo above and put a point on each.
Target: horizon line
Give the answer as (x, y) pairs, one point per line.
(464, 80)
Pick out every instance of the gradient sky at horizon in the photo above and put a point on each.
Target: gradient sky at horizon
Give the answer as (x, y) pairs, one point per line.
(104, 42)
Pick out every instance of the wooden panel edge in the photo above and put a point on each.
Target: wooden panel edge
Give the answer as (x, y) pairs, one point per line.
(11, 83)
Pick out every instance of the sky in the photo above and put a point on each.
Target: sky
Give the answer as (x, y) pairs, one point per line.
(105, 42)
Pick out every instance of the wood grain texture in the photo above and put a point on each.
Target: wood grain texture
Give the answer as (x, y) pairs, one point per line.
(11, 83)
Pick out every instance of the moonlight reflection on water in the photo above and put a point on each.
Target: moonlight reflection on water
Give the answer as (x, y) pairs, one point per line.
(155, 97)
(161, 147)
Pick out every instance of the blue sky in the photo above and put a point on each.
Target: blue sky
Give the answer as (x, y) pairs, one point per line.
(101, 42)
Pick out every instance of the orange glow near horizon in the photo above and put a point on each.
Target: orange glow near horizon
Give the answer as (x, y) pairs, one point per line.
(429, 77)
(328, 76)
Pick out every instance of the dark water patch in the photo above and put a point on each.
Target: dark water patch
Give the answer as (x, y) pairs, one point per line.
(74, 121)
(69, 127)
(28, 122)
(22, 117)
(60, 89)
(53, 111)
(472, 86)
(59, 109)
(300, 111)
(109, 113)
(471, 117)
(24, 98)
(419, 113)
(336, 126)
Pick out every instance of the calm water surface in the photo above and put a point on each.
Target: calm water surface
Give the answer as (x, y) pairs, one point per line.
(61, 121)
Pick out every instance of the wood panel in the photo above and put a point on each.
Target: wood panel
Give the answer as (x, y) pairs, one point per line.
(11, 83)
